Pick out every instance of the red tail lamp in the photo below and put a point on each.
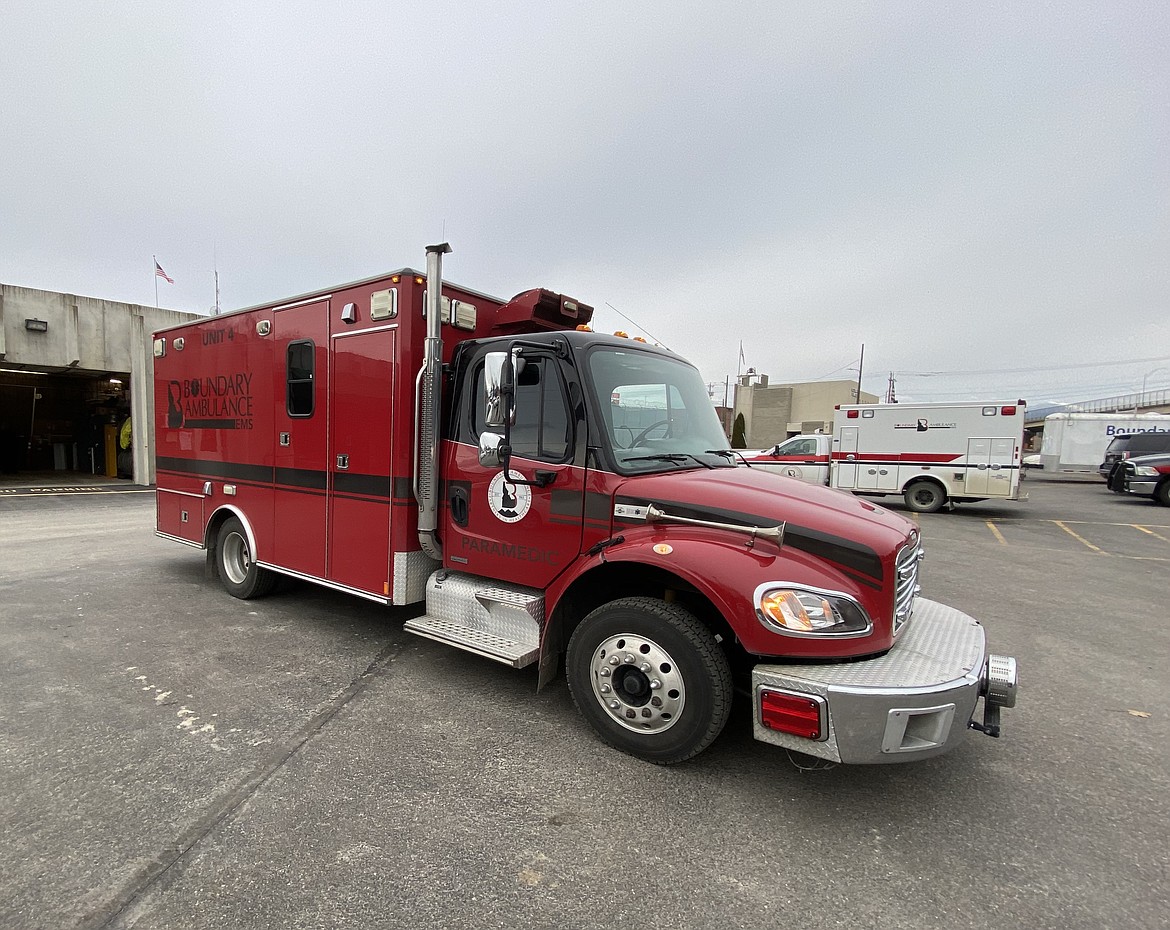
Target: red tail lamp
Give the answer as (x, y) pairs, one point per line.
(799, 714)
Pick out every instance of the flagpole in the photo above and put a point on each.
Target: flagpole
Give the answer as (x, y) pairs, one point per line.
(155, 257)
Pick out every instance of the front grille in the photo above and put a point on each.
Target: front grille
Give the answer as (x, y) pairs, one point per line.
(906, 581)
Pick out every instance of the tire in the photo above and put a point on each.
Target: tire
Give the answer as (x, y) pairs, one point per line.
(671, 682)
(924, 496)
(240, 575)
(1162, 493)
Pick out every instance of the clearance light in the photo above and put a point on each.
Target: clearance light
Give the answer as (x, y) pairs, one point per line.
(639, 339)
(584, 328)
(852, 414)
(622, 334)
(1007, 411)
(418, 279)
(799, 714)
(395, 278)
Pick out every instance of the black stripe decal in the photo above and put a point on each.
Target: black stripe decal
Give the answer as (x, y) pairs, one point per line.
(598, 507)
(369, 485)
(301, 478)
(403, 487)
(565, 503)
(846, 552)
(210, 469)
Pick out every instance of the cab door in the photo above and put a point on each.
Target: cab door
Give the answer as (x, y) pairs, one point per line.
(496, 526)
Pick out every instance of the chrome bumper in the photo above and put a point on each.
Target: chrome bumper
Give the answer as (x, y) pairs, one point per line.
(914, 702)
(1145, 488)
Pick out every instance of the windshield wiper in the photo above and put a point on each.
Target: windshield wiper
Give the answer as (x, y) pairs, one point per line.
(729, 454)
(675, 457)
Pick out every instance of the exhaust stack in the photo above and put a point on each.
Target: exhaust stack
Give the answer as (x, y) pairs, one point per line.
(427, 388)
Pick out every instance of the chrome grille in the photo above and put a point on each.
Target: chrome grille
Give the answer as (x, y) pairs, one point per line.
(906, 580)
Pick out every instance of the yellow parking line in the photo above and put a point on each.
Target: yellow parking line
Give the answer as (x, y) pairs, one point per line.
(1151, 532)
(1079, 538)
(996, 533)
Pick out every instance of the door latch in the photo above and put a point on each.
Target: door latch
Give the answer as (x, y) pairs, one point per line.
(343, 461)
(285, 439)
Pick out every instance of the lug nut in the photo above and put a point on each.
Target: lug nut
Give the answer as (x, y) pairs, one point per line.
(655, 684)
(605, 689)
(630, 658)
(644, 667)
(614, 705)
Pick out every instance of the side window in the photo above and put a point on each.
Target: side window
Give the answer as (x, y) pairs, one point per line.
(543, 429)
(299, 377)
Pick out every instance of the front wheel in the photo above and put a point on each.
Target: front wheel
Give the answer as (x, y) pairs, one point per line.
(650, 679)
(234, 560)
(924, 496)
(1162, 493)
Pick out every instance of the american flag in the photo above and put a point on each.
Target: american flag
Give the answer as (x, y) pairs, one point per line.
(159, 273)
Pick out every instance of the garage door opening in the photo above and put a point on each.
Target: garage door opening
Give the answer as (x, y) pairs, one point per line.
(72, 421)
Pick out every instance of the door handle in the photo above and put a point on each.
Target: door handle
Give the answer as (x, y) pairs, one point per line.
(285, 439)
(343, 461)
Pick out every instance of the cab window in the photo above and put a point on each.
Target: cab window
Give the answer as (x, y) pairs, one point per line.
(543, 428)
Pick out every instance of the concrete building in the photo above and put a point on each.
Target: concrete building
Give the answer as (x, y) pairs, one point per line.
(773, 412)
(77, 383)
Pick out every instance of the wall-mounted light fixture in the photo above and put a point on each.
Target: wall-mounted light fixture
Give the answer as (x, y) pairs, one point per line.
(36, 326)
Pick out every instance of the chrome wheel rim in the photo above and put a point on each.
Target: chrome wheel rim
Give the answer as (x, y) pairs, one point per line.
(237, 559)
(638, 683)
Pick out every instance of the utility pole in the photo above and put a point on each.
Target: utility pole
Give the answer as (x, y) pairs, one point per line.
(890, 398)
(860, 365)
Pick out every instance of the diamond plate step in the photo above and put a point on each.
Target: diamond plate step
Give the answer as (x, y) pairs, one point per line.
(488, 645)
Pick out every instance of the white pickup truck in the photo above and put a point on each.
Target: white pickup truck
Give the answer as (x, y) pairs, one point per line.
(803, 457)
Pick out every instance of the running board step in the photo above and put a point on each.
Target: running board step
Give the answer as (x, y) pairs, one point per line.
(490, 618)
(479, 642)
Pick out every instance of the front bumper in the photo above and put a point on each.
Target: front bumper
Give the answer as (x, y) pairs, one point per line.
(914, 702)
(1145, 487)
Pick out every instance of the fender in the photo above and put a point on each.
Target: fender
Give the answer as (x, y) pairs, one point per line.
(209, 543)
(726, 571)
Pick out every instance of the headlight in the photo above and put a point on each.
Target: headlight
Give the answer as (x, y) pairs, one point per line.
(1146, 471)
(809, 611)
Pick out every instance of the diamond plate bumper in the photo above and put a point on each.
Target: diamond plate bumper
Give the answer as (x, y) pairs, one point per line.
(911, 703)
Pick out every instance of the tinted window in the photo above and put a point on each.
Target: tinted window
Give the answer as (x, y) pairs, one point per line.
(299, 375)
(543, 427)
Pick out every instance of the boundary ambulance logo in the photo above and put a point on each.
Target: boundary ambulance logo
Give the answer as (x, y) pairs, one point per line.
(509, 502)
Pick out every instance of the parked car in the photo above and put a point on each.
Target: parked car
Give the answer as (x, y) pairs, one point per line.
(1130, 445)
(1144, 475)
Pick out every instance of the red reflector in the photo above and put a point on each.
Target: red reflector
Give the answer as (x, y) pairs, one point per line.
(791, 713)
(852, 414)
(1008, 411)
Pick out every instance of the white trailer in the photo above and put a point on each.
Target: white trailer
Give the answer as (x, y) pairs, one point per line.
(1076, 441)
(931, 454)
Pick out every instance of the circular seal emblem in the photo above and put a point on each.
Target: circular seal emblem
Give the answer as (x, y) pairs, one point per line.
(509, 502)
(794, 471)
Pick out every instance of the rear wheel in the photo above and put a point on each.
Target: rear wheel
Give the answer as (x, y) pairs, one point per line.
(238, 571)
(924, 496)
(650, 679)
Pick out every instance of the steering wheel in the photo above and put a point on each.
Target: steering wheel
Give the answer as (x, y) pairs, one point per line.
(641, 437)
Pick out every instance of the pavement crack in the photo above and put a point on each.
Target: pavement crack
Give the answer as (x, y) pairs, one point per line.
(225, 806)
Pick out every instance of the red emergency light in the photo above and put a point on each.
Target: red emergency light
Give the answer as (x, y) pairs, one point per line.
(852, 414)
(799, 714)
(1008, 411)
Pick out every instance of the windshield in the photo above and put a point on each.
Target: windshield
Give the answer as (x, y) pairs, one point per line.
(656, 411)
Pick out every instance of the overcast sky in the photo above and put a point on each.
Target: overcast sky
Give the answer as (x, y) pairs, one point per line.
(961, 187)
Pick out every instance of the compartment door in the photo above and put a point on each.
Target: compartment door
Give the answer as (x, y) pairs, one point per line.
(846, 465)
(301, 376)
(361, 408)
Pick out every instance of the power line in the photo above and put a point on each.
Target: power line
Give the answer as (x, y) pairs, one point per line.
(1016, 371)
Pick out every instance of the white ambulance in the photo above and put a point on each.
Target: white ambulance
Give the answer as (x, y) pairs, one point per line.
(931, 454)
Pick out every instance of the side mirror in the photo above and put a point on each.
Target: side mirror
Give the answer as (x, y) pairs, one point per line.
(499, 389)
(493, 451)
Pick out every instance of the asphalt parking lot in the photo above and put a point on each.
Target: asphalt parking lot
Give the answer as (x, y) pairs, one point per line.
(174, 757)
